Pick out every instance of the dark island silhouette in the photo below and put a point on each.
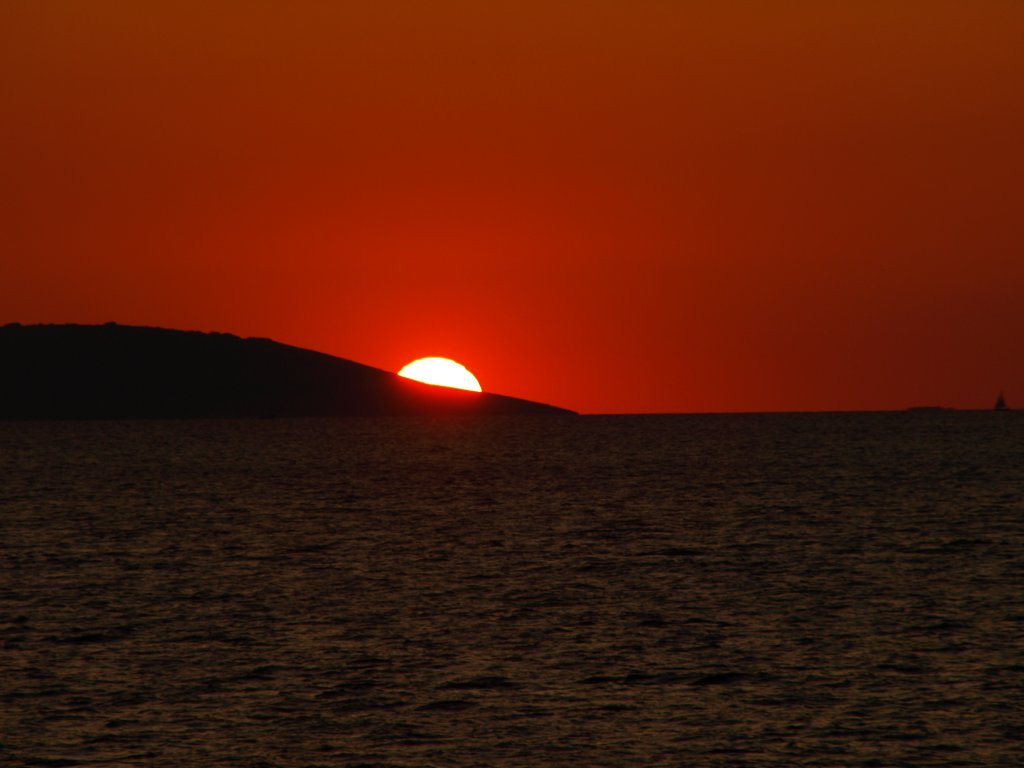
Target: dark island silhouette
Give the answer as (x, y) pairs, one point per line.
(126, 372)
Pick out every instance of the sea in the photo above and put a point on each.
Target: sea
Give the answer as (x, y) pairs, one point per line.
(683, 590)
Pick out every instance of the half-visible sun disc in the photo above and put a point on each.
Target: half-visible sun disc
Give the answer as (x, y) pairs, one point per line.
(442, 372)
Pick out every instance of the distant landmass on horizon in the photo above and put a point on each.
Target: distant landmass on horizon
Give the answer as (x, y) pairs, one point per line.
(126, 372)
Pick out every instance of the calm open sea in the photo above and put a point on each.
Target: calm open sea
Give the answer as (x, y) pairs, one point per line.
(762, 590)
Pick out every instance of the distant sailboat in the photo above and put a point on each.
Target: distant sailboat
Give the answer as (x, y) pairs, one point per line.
(1001, 403)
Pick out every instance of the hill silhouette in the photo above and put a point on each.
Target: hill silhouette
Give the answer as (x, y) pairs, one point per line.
(124, 372)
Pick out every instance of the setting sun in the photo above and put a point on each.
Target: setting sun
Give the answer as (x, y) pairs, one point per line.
(441, 372)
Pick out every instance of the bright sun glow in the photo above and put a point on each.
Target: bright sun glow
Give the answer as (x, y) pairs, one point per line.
(442, 372)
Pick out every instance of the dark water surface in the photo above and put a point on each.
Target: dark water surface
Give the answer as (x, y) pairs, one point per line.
(827, 590)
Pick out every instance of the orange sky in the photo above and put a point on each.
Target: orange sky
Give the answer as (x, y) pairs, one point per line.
(610, 206)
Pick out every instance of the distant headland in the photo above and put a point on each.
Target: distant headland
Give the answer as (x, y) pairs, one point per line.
(126, 372)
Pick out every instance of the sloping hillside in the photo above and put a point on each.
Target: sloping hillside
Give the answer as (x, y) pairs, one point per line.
(114, 371)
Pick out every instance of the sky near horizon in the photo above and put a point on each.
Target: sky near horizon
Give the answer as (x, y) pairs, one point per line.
(644, 206)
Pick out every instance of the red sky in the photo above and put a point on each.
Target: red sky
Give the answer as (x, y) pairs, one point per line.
(611, 206)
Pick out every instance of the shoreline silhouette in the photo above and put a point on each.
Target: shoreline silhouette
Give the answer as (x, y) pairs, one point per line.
(117, 371)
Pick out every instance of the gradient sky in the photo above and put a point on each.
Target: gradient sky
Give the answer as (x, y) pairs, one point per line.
(611, 206)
